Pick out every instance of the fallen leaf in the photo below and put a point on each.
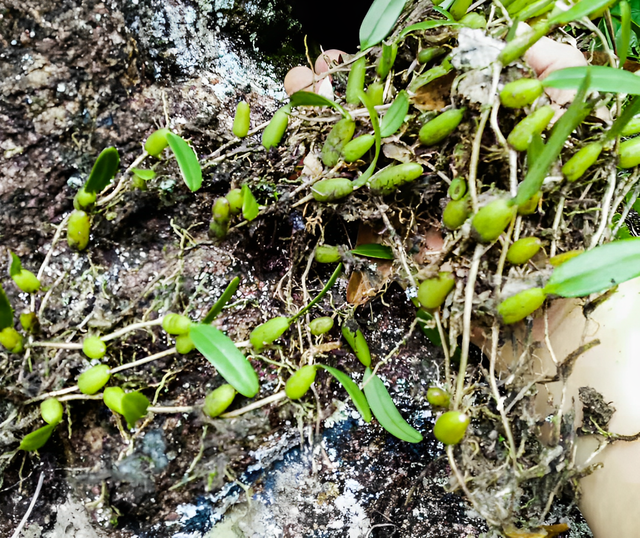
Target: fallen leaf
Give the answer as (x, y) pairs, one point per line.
(436, 94)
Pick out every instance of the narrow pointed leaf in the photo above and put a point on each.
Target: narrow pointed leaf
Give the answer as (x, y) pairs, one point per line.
(583, 8)
(250, 208)
(16, 265)
(596, 270)
(356, 395)
(302, 98)
(143, 173)
(426, 25)
(395, 116)
(623, 37)
(220, 303)
(231, 364)
(432, 334)
(603, 79)
(535, 149)
(6, 312)
(386, 411)
(332, 280)
(103, 171)
(36, 439)
(379, 21)
(375, 123)
(632, 108)
(566, 124)
(187, 161)
(374, 250)
(134, 407)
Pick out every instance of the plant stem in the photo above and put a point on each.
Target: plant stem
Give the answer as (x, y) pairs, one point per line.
(466, 322)
(129, 328)
(475, 156)
(255, 405)
(150, 358)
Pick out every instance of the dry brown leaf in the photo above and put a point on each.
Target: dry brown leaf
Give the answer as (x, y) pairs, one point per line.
(435, 95)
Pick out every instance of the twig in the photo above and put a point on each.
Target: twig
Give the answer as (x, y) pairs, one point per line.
(34, 499)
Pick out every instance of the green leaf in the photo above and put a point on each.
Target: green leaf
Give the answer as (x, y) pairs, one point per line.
(134, 407)
(356, 395)
(332, 280)
(426, 25)
(37, 438)
(143, 174)
(430, 75)
(596, 270)
(231, 364)
(220, 303)
(6, 312)
(16, 265)
(250, 208)
(566, 124)
(374, 250)
(302, 98)
(386, 411)
(632, 108)
(535, 149)
(444, 12)
(623, 37)
(375, 123)
(103, 171)
(583, 8)
(187, 161)
(379, 21)
(432, 334)
(395, 116)
(603, 79)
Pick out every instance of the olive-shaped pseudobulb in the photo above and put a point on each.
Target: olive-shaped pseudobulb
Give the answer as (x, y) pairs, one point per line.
(93, 347)
(438, 397)
(268, 332)
(93, 379)
(327, 254)
(433, 291)
(26, 281)
(218, 400)
(11, 340)
(520, 93)
(184, 344)
(523, 250)
(242, 120)
(451, 427)
(520, 305)
(78, 229)
(51, 411)
(492, 219)
(321, 325)
(300, 382)
(112, 398)
(176, 324)
(156, 142)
